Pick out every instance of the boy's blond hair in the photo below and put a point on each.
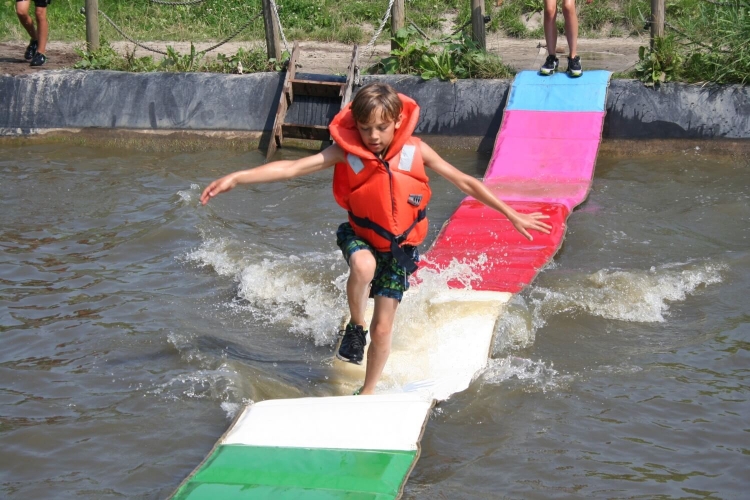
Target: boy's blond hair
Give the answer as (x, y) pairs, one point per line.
(374, 96)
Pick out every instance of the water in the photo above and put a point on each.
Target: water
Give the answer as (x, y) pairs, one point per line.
(135, 324)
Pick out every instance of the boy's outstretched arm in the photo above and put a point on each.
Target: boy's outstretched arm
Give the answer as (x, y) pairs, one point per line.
(275, 171)
(473, 187)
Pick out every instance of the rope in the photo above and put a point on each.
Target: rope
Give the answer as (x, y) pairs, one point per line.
(189, 2)
(240, 30)
(424, 35)
(724, 4)
(371, 44)
(139, 44)
(281, 29)
(117, 28)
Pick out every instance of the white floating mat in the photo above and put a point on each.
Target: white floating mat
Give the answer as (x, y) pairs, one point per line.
(379, 422)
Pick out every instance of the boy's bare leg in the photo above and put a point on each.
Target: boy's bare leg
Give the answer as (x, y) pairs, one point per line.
(22, 11)
(42, 28)
(550, 25)
(571, 26)
(380, 345)
(361, 271)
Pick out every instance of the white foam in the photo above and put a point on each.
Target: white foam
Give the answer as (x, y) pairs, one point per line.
(215, 254)
(279, 289)
(536, 375)
(220, 384)
(632, 295)
(289, 291)
(188, 197)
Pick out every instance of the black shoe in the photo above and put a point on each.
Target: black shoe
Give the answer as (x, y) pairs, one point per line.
(550, 65)
(352, 347)
(31, 50)
(574, 66)
(38, 59)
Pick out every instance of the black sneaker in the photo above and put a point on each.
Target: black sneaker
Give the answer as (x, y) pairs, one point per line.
(352, 347)
(550, 65)
(574, 66)
(38, 59)
(31, 50)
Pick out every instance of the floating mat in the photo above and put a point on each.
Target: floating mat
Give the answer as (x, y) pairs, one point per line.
(543, 161)
(306, 448)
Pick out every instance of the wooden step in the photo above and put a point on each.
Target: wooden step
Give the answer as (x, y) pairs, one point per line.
(311, 132)
(317, 88)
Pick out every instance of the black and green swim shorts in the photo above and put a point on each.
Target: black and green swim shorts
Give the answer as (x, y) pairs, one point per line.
(391, 279)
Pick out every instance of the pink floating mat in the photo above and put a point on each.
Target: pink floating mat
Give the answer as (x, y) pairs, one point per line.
(543, 161)
(545, 156)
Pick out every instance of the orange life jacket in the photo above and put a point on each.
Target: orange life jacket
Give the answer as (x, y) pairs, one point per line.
(386, 198)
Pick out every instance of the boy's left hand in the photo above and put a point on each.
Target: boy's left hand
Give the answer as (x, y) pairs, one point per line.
(524, 222)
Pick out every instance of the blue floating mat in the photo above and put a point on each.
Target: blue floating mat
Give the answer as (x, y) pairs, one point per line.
(559, 92)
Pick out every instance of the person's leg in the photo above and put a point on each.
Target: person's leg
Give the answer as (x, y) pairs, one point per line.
(571, 26)
(362, 267)
(381, 331)
(550, 35)
(22, 11)
(361, 271)
(550, 25)
(42, 28)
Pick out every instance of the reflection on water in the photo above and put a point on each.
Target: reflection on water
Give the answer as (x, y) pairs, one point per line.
(135, 324)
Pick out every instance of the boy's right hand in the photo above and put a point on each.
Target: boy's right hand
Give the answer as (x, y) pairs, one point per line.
(218, 186)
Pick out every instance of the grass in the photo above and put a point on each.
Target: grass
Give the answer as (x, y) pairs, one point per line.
(324, 20)
(711, 35)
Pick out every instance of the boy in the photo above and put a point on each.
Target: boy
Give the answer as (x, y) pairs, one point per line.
(571, 33)
(379, 178)
(37, 46)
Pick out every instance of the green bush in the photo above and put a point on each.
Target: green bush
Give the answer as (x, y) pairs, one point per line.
(717, 37)
(449, 58)
(705, 42)
(660, 64)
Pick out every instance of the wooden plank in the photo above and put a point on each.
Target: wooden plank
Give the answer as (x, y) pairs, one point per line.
(311, 132)
(317, 88)
(657, 20)
(398, 21)
(285, 100)
(92, 25)
(291, 73)
(477, 23)
(352, 75)
(271, 25)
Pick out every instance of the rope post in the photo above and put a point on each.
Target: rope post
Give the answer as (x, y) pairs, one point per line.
(273, 44)
(92, 25)
(477, 23)
(657, 20)
(398, 20)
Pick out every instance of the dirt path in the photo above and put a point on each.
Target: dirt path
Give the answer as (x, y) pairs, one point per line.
(614, 54)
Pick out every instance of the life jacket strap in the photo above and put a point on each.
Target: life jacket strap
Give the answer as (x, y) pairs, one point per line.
(398, 253)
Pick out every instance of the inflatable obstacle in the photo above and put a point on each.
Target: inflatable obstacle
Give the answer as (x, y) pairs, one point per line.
(543, 161)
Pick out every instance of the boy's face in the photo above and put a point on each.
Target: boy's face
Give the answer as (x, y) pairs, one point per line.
(377, 133)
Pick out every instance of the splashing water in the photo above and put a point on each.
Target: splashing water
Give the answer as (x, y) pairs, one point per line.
(287, 290)
(634, 295)
(535, 375)
(190, 196)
